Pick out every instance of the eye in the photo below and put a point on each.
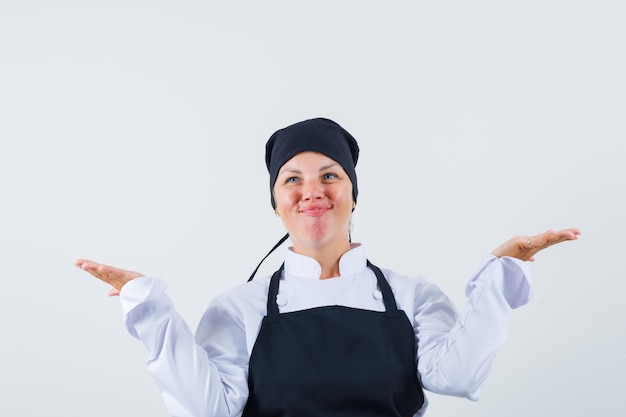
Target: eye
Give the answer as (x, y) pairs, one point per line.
(291, 180)
(330, 176)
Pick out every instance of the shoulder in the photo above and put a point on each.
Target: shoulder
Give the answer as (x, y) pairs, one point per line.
(237, 311)
(414, 293)
(249, 292)
(242, 301)
(405, 282)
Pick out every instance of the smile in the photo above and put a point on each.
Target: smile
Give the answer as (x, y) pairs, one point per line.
(314, 211)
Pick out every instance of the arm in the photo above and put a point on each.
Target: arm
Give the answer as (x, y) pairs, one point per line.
(192, 384)
(456, 353)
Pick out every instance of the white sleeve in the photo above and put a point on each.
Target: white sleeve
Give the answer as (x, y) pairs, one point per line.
(192, 385)
(456, 353)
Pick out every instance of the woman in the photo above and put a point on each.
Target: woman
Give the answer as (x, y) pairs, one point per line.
(328, 334)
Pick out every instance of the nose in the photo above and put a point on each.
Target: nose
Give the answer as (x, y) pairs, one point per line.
(312, 191)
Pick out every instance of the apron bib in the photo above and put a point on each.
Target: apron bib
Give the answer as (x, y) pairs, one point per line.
(334, 361)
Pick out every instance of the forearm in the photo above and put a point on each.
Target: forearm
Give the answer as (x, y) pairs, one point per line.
(189, 382)
(460, 360)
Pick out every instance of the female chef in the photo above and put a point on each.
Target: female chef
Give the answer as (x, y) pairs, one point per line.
(328, 334)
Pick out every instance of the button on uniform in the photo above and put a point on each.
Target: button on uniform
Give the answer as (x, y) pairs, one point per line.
(281, 300)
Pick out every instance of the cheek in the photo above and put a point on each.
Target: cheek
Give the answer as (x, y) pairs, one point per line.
(344, 195)
(283, 197)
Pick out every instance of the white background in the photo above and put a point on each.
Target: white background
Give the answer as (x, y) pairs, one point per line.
(132, 133)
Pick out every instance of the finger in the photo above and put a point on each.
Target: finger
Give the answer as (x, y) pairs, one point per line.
(528, 243)
(543, 240)
(105, 273)
(84, 263)
(572, 230)
(80, 262)
(570, 234)
(98, 271)
(118, 272)
(552, 237)
(524, 243)
(546, 239)
(114, 292)
(108, 269)
(89, 266)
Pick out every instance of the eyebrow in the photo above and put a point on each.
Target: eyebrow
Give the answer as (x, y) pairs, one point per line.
(295, 171)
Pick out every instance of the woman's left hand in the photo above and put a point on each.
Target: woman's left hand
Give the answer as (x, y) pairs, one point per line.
(525, 247)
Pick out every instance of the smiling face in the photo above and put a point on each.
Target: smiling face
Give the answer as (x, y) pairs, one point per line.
(313, 197)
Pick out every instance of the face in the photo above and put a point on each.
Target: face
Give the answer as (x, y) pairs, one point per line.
(313, 196)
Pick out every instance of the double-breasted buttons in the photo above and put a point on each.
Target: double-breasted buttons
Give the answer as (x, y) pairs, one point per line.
(281, 300)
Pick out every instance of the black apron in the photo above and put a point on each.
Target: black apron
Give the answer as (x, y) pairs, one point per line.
(334, 361)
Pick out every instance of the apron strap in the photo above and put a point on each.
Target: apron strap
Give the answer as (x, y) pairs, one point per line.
(280, 242)
(385, 288)
(272, 307)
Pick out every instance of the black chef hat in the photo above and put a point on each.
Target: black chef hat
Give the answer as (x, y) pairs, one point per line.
(315, 135)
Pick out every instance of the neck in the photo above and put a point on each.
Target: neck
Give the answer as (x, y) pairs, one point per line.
(327, 256)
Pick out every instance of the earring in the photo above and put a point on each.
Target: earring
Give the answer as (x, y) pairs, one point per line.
(276, 213)
(353, 205)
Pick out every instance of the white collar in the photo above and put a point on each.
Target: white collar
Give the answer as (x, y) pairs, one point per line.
(301, 266)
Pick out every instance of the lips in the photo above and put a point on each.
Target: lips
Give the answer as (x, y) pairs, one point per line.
(314, 210)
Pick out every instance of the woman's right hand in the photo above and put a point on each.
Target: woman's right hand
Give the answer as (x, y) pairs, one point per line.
(115, 277)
